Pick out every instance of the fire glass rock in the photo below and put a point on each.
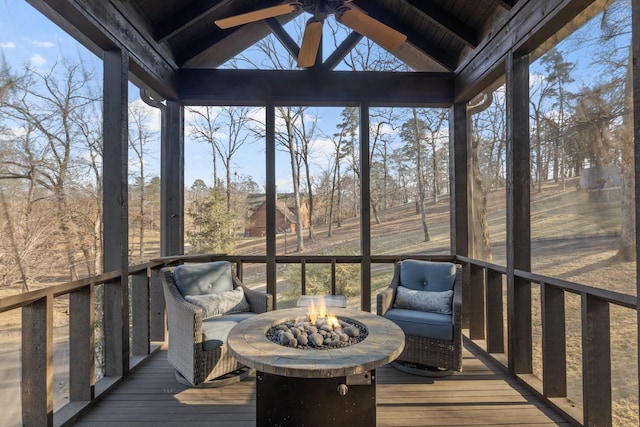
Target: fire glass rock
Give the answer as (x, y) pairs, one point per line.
(317, 334)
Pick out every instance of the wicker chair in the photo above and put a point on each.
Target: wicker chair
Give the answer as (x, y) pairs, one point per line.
(197, 345)
(430, 320)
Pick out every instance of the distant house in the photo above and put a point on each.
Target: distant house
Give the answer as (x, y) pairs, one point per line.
(285, 215)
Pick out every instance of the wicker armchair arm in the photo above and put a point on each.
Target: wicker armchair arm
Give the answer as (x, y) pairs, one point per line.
(386, 298)
(260, 302)
(185, 328)
(457, 297)
(385, 301)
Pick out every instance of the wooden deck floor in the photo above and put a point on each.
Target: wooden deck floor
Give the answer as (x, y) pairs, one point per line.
(481, 395)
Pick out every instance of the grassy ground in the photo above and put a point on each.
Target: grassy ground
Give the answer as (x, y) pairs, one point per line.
(562, 222)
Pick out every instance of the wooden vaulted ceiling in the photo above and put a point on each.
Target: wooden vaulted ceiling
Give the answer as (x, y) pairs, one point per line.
(443, 32)
(170, 40)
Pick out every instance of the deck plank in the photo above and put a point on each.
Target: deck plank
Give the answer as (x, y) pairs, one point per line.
(481, 395)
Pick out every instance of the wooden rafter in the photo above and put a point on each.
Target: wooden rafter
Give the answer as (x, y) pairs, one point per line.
(195, 12)
(445, 21)
(438, 54)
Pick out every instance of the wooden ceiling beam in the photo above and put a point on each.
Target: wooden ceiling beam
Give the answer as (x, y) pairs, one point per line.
(313, 87)
(100, 26)
(445, 21)
(524, 31)
(506, 4)
(195, 12)
(283, 36)
(439, 55)
(343, 50)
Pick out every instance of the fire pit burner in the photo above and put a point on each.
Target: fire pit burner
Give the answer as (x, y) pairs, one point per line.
(323, 333)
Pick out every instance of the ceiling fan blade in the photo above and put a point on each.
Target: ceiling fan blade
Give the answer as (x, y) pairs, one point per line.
(310, 43)
(375, 30)
(257, 15)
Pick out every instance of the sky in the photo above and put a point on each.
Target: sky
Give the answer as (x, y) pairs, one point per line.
(26, 36)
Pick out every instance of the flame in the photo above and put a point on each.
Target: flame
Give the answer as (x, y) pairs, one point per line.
(320, 310)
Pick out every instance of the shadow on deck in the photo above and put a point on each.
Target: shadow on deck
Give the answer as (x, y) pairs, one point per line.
(480, 395)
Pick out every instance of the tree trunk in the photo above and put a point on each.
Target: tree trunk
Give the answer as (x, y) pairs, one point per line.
(480, 241)
(627, 247)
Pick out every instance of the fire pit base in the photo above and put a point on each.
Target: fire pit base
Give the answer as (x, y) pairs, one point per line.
(309, 402)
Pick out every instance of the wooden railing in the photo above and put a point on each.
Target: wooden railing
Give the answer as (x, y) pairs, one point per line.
(483, 311)
(124, 351)
(487, 323)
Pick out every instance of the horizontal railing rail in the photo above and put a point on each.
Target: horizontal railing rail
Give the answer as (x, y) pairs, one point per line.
(485, 319)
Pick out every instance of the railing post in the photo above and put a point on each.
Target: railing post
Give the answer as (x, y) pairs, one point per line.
(140, 313)
(554, 354)
(333, 277)
(495, 312)
(596, 361)
(476, 302)
(466, 294)
(37, 363)
(82, 344)
(239, 270)
(303, 276)
(157, 317)
(116, 329)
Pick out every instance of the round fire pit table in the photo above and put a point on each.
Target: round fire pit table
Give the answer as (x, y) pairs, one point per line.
(315, 387)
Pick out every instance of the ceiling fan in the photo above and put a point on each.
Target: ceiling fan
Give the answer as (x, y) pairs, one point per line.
(345, 13)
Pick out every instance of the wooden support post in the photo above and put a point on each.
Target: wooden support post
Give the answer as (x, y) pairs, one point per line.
(140, 314)
(115, 201)
(495, 312)
(477, 289)
(82, 347)
(37, 363)
(365, 209)
(518, 213)
(459, 167)
(157, 316)
(635, 64)
(596, 361)
(172, 180)
(554, 354)
(270, 124)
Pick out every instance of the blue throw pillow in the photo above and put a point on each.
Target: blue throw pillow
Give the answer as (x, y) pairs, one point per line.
(434, 302)
(203, 278)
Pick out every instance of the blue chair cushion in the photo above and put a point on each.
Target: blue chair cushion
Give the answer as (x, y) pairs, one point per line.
(427, 275)
(422, 323)
(203, 278)
(216, 329)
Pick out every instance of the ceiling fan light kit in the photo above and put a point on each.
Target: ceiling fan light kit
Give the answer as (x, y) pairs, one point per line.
(345, 13)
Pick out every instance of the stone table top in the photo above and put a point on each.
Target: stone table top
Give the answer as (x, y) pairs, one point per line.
(248, 343)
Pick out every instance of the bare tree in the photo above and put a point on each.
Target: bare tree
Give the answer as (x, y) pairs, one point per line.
(140, 136)
(414, 133)
(50, 102)
(203, 128)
